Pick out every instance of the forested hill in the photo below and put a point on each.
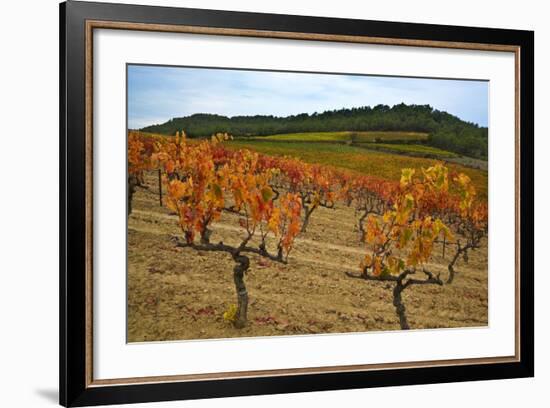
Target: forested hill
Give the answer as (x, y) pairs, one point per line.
(446, 131)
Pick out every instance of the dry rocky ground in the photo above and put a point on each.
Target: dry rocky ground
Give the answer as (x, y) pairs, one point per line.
(179, 293)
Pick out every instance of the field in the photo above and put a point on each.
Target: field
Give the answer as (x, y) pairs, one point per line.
(177, 293)
(347, 136)
(365, 161)
(411, 149)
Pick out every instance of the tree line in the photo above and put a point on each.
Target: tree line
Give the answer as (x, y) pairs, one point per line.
(446, 131)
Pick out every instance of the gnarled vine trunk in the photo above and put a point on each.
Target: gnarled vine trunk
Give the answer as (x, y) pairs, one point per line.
(307, 215)
(460, 251)
(399, 306)
(451, 268)
(400, 285)
(243, 263)
(361, 224)
(206, 233)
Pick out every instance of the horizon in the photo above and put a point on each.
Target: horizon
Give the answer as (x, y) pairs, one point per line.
(157, 94)
(287, 116)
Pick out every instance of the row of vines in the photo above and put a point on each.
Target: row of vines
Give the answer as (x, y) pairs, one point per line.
(400, 222)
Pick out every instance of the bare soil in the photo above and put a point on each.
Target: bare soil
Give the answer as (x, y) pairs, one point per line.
(179, 293)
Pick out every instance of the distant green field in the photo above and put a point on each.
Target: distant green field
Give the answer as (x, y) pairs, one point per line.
(306, 137)
(413, 149)
(342, 137)
(371, 140)
(359, 137)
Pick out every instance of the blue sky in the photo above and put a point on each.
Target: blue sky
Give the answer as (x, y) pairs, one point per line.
(157, 94)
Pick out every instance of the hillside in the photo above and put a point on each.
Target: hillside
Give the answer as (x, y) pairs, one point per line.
(445, 130)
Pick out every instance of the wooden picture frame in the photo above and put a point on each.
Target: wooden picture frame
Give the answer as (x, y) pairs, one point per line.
(78, 20)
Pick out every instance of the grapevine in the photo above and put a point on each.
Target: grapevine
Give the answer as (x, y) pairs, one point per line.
(200, 181)
(400, 242)
(400, 222)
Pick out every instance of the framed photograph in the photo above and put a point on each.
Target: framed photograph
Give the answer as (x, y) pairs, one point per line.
(256, 203)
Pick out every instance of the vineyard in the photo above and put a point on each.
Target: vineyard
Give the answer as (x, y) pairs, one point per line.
(360, 160)
(226, 241)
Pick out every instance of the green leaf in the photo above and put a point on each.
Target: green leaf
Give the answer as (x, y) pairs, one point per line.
(267, 193)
